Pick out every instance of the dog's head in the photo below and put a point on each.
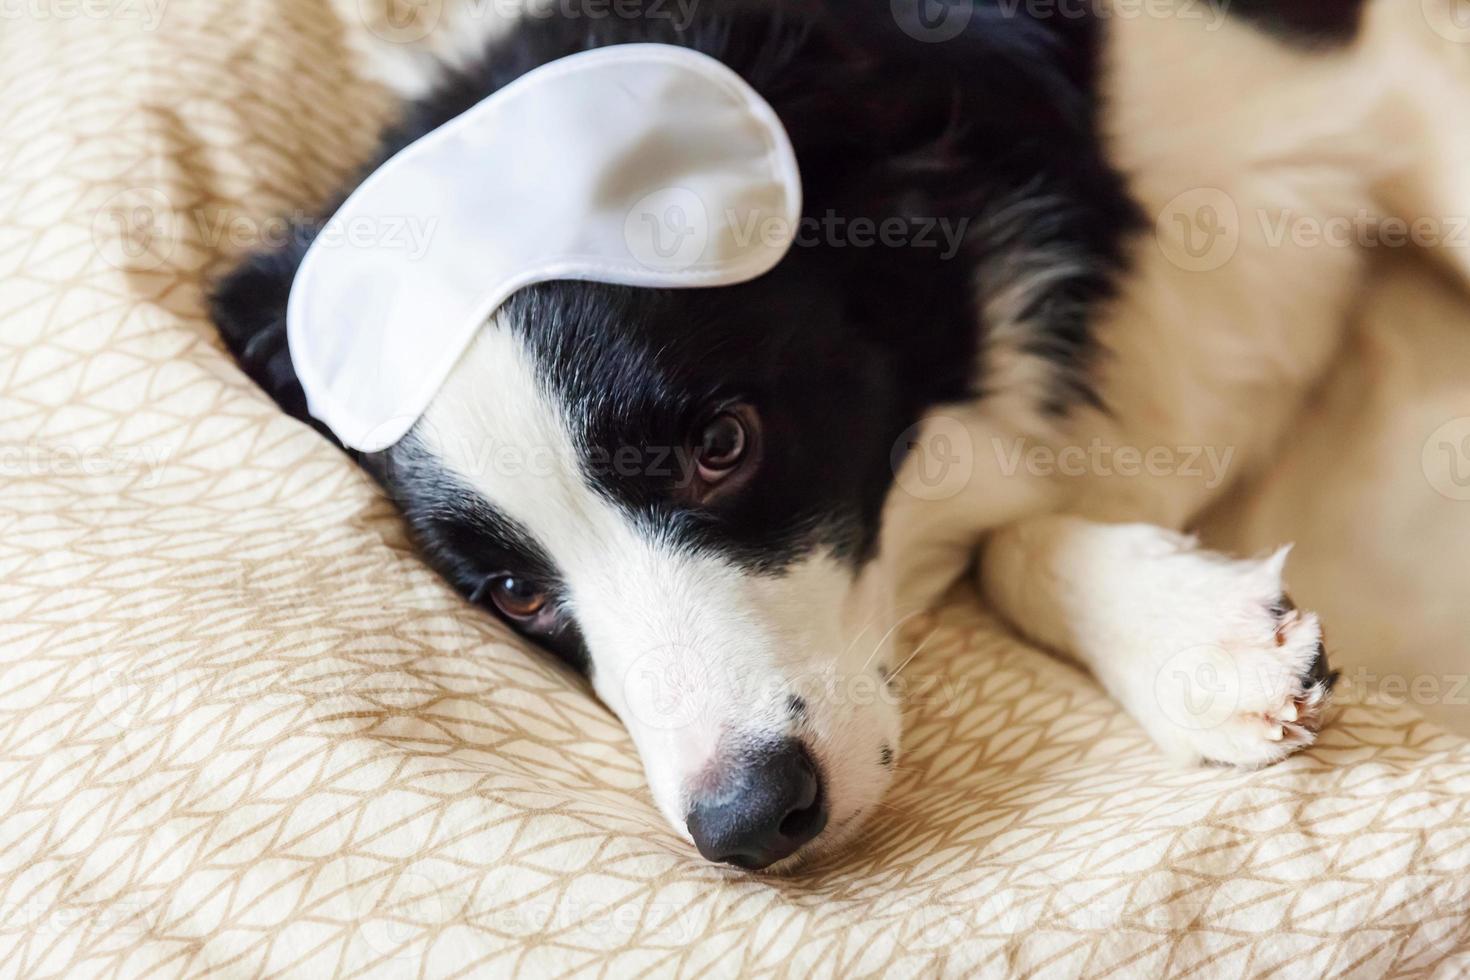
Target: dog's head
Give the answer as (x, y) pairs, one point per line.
(680, 492)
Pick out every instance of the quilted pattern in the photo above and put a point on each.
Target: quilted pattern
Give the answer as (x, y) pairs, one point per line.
(243, 731)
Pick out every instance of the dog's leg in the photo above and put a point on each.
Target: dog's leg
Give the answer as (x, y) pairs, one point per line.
(1219, 330)
(1222, 325)
(1206, 652)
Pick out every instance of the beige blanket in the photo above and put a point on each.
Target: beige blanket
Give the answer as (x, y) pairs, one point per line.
(244, 731)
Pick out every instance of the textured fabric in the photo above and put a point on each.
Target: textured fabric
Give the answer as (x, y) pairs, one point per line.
(243, 730)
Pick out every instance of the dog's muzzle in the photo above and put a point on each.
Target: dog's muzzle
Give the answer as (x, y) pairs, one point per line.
(764, 808)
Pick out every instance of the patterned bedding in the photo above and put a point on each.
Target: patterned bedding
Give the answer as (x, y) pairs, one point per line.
(243, 731)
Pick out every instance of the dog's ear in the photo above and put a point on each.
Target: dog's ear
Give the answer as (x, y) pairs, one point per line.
(249, 307)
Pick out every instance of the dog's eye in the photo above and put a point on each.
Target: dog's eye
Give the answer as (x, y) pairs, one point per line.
(724, 443)
(518, 598)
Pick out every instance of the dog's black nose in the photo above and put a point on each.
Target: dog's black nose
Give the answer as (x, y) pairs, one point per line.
(763, 811)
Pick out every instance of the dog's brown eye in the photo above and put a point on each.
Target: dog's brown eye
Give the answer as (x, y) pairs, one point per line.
(722, 445)
(518, 598)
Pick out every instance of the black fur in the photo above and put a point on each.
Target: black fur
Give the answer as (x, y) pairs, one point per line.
(1310, 21)
(467, 540)
(842, 347)
(249, 307)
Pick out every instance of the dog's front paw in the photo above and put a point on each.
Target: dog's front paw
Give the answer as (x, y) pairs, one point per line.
(1249, 682)
(1205, 651)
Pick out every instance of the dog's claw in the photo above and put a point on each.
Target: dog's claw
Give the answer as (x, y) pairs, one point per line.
(1319, 673)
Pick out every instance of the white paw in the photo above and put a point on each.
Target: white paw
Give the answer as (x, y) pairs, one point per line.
(1241, 675)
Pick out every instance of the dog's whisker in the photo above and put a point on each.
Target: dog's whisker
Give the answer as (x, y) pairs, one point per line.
(879, 646)
(917, 650)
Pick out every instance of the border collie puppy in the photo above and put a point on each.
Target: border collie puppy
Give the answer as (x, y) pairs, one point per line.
(1055, 290)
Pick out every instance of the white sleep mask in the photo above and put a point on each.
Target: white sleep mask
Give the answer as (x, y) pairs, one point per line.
(640, 164)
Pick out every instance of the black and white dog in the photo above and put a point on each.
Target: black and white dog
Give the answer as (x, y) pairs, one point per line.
(1056, 279)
